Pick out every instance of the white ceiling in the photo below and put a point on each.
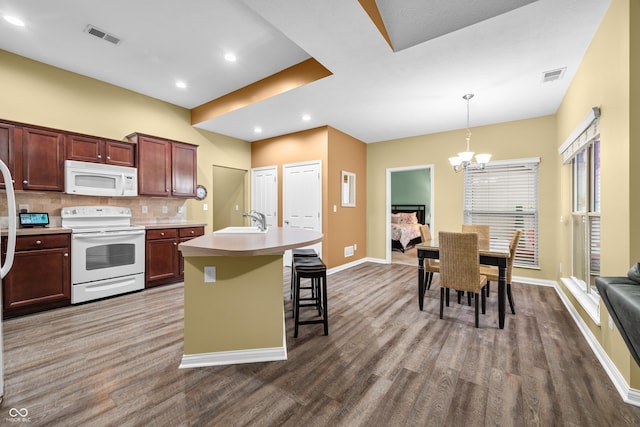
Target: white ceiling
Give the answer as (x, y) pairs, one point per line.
(496, 49)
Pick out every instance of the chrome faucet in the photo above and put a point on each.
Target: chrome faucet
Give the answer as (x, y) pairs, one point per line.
(258, 217)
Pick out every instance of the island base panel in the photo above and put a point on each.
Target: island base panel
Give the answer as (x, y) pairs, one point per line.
(242, 310)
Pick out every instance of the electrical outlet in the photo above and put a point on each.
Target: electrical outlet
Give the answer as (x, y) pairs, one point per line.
(145, 209)
(205, 207)
(180, 209)
(355, 246)
(23, 208)
(165, 209)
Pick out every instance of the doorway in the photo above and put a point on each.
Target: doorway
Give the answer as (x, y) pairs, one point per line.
(229, 197)
(302, 199)
(264, 193)
(408, 186)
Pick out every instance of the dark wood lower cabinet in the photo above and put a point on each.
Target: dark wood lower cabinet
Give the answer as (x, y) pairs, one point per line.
(40, 278)
(164, 263)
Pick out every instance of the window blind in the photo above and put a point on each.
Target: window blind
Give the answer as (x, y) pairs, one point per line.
(505, 196)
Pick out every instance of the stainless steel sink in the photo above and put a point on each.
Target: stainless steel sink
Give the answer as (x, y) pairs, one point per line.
(240, 230)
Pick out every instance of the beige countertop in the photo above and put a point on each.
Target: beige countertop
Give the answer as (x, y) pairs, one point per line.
(39, 230)
(62, 230)
(275, 241)
(158, 225)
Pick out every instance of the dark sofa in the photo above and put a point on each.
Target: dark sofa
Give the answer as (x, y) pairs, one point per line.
(621, 296)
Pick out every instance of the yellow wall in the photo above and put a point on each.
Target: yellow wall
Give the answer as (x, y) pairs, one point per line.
(39, 94)
(337, 151)
(511, 140)
(606, 79)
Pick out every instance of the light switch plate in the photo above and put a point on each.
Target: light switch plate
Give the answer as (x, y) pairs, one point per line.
(209, 275)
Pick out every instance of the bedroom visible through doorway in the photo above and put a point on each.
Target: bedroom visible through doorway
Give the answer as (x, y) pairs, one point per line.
(409, 205)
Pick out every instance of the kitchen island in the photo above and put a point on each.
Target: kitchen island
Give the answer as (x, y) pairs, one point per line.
(233, 295)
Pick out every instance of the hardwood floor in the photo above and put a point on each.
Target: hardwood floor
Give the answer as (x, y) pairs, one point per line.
(385, 363)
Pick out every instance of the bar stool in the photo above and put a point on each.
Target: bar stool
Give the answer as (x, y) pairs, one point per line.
(299, 253)
(310, 268)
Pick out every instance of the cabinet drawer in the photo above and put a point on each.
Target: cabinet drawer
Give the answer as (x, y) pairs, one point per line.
(191, 231)
(42, 241)
(164, 233)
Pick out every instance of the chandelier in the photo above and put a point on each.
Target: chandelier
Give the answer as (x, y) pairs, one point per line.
(463, 159)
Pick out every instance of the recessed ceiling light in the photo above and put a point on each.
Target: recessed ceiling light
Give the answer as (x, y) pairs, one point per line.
(257, 129)
(13, 20)
(181, 84)
(306, 117)
(230, 57)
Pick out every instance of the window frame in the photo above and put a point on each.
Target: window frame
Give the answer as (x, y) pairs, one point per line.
(484, 203)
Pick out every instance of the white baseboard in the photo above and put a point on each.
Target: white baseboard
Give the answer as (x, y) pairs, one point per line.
(233, 357)
(628, 394)
(348, 265)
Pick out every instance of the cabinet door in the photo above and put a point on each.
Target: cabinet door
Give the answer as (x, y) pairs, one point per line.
(120, 153)
(7, 152)
(28, 290)
(85, 149)
(154, 167)
(184, 164)
(42, 160)
(161, 261)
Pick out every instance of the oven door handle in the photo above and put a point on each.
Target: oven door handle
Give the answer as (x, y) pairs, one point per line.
(101, 235)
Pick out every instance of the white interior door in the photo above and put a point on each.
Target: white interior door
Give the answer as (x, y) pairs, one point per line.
(264, 193)
(302, 199)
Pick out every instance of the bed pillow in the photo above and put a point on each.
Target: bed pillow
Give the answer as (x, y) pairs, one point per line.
(404, 218)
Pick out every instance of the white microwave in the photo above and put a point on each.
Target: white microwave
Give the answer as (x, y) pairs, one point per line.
(98, 179)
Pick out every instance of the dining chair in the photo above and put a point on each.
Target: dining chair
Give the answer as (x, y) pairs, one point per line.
(492, 272)
(430, 265)
(460, 268)
(484, 234)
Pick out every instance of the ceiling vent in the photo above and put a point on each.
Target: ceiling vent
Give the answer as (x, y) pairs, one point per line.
(553, 75)
(102, 34)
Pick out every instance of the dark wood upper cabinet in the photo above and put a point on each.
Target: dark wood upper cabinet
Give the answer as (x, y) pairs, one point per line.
(120, 153)
(184, 163)
(97, 150)
(154, 166)
(7, 149)
(165, 167)
(43, 157)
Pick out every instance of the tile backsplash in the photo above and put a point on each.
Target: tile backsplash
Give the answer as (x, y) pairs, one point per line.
(158, 209)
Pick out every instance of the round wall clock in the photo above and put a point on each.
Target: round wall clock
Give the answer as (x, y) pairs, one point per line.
(201, 192)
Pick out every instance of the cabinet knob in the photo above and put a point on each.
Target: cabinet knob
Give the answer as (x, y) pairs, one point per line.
(25, 182)
(66, 254)
(108, 157)
(193, 232)
(162, 234)
(38, 242)
(175, 244)
(99, 156)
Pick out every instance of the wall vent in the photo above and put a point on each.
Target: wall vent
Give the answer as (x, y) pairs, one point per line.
(553, 75)
(102, 34)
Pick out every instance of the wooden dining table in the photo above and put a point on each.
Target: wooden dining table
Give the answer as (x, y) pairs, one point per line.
(492, 252)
